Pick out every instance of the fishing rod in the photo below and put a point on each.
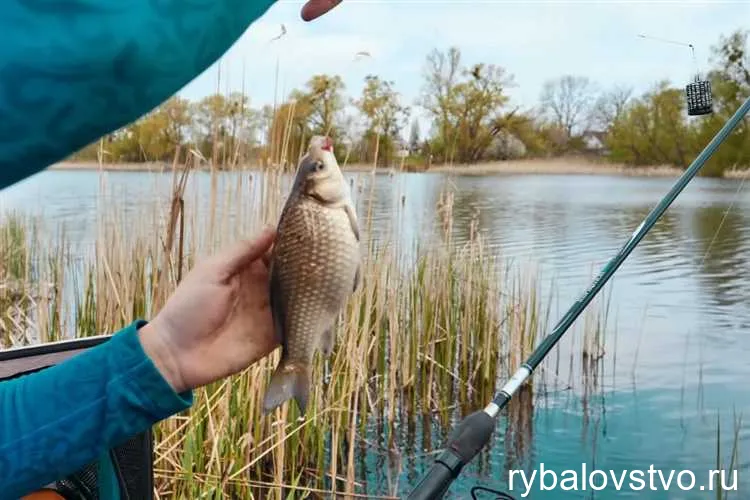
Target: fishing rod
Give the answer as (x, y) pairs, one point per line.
(474, 431)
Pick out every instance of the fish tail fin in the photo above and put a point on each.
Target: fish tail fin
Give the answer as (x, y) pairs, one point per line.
(290, 380)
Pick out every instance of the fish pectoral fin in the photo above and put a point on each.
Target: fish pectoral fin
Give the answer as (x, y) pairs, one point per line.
(327, 339)
(350, 213)
(290, 380)
(277, 308)
(357, 277)
(352, 220)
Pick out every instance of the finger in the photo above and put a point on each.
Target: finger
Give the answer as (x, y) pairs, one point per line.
(313, 9)
(268, 256)
(243, 253)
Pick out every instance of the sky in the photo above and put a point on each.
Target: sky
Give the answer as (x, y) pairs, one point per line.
(533, 40)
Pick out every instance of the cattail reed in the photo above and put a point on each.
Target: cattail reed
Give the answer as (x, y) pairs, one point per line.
(425, 340)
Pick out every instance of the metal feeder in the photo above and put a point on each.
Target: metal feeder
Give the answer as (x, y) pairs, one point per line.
(697, 93)
(699, 98)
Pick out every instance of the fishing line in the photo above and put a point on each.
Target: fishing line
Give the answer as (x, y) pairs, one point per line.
(674, 42)
(724, 218)
(667, 41)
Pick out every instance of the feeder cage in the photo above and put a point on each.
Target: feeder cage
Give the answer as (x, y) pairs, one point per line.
(699, 99)
(128, 466)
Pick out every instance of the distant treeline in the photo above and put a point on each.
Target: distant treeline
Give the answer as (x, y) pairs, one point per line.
(471, 120)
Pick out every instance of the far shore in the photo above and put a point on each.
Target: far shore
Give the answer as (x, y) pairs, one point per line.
(554, 166)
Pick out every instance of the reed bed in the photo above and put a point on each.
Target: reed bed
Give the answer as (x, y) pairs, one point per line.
(425, 340)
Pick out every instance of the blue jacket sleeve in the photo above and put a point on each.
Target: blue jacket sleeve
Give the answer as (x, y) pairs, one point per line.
(72, 71)
(55, 421)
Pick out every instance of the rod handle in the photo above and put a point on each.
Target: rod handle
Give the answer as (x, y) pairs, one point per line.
(470, 436)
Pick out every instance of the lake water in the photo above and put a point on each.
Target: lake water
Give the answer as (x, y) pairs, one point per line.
(680, 314)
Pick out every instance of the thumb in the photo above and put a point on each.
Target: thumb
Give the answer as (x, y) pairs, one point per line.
(313, 9)
(241, 254)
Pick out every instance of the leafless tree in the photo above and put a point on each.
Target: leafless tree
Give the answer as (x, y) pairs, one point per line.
(609, 107)
(568, 101)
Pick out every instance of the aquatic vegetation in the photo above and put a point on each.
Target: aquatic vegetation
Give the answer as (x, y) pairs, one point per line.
(423, 341)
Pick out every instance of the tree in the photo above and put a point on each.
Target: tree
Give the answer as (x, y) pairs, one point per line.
(733, 57)
(290, 132)
(385, 116)
(730, 84)
(466, 105)
(440, 73)
(521, 134)
(567, 102)
(610, 106)
(414, 137)
(478, 111)
(350, 130)
(153, 137)
(324, 98)
(224, 127)
(653, 130)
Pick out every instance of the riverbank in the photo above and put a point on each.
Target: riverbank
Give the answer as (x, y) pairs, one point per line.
(555, 166)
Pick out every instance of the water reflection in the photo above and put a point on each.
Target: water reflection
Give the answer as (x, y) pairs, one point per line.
(721, 250)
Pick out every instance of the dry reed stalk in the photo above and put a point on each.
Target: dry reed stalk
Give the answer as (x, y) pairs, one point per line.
(428, 334)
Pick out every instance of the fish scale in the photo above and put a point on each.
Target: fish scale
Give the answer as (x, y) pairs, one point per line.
(314, 269)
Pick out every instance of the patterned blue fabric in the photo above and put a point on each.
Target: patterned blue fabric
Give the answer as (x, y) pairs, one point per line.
(72, 71)
(55, 421)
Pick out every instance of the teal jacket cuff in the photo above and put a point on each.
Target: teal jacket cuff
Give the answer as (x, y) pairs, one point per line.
(55, 421)
(146, 379)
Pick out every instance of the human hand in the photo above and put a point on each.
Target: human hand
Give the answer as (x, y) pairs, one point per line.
(218, 321)
(313, 9)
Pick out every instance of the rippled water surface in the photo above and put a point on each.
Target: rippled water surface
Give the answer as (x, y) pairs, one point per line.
(680, 312)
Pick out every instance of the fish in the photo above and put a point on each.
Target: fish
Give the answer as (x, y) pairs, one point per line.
(315, 266)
